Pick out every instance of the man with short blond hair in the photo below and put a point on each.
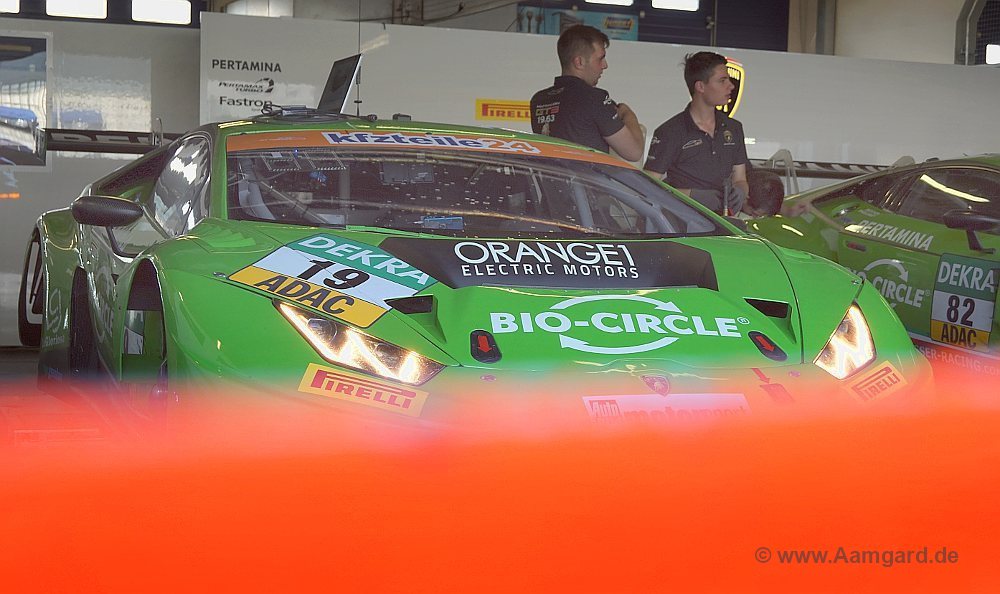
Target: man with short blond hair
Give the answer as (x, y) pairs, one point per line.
(575, 109)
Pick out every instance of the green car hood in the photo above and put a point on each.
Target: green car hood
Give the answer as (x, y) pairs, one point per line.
(703, 304)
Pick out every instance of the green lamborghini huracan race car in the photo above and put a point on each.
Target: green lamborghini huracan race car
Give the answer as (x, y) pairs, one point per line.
(403, 268)
(926, 237)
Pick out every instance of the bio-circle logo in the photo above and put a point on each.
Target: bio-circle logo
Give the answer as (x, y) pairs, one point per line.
(622, 324)
(891, 279)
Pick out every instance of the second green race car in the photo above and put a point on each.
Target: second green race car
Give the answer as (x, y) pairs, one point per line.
(926, 237)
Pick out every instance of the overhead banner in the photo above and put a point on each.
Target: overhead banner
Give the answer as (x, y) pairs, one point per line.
(553, 21)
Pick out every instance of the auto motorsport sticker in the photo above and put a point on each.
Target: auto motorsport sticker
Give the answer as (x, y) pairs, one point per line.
(349, 387)
(646, 324)
(878, 384)
(891, 279)
(965, 295)
(672, 408)
(348, 280)
(558, 264)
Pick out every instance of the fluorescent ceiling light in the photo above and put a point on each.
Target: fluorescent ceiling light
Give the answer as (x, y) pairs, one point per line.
(10, 5)
(993, 54)
(81, 9)
(174, 12)
(689, 5)
(615, 2)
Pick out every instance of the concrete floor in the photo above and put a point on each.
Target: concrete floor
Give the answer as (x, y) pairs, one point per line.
(30, 416)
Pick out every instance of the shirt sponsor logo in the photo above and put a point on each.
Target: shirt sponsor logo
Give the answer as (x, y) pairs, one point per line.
(621, 332)
(400, 139)
(654, 408)
(687, 145)
(907, 237)
(504, 110)
(348, 387)
(262, 85)
(247, 65)
(878, 384)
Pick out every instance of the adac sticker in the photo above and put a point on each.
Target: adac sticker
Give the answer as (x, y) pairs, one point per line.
(621, 324)
(672, 408)
(965, 294)
(881, 382)
(349, 387)
(310, 295)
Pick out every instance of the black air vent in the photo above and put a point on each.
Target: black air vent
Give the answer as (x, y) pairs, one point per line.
(412, 305)
(771, 309)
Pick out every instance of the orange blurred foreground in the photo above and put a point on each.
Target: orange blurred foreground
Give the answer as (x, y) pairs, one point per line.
(233, 503)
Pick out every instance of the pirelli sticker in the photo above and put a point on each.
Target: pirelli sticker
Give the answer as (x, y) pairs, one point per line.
(504, 110)
(884, 380)
(965, 295)
(347, 280)
(359, 389)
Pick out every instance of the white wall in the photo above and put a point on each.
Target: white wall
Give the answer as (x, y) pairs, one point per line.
(906, 30)
(129, 74)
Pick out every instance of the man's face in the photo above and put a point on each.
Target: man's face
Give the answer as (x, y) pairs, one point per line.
(594, 65)
(719, 87)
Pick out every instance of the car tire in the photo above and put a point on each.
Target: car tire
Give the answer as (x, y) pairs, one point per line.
(83, 360)
(31, 296)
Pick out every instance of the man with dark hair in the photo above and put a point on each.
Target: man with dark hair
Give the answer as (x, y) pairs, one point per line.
(574, 108)
(766, 194)
(701, 151)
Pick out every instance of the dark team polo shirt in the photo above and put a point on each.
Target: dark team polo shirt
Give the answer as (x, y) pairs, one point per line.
(575, 111)
(693, 159)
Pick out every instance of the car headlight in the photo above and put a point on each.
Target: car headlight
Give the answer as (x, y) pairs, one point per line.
(343, 345)
(850, 348)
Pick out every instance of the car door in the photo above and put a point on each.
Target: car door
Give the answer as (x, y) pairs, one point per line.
(943, 290)
(963, 312)
(174, 197)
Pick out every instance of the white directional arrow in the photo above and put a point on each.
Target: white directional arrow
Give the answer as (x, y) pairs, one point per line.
(661, 305)
(903, 274)
(568, 342)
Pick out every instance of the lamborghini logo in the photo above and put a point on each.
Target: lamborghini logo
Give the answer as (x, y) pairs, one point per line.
(739, 77)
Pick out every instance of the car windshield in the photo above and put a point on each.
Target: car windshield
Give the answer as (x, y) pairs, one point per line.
(458, 193)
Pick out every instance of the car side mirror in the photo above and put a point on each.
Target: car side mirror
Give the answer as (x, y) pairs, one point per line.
(971, 222)
(105, 211)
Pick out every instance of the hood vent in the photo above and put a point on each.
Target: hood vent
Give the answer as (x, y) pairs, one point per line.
(412, 305)
(771, 309)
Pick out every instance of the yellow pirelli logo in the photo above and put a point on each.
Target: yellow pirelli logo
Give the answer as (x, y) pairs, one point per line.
(317, 297)
(508, 110)
(877, 384)
(349, 387)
